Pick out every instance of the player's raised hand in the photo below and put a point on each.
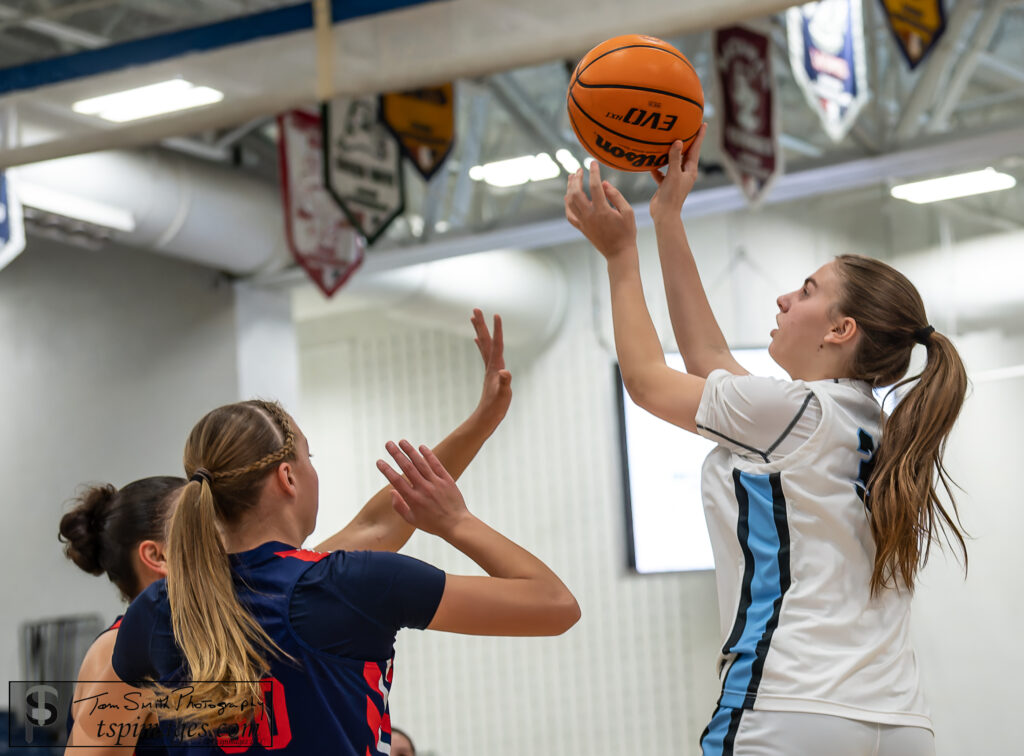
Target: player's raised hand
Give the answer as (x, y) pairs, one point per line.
(605, 217)
(676, 183)
(427, 497)
(497, 391)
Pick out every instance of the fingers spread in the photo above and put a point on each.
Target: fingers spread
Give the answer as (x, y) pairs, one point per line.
(570, 214)
(416, 459)
(435, 464)
(400, 484)
(617, 200)
(483, 336)
(596, 193)
(574, 185)
(498, 342)
(400, 506)
(693, 154)
(413, 476)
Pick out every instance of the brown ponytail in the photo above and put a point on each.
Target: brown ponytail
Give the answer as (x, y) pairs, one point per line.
(237, 446)
(906, 511)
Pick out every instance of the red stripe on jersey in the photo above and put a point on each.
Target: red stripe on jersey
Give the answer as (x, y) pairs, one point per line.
(116, 624)
(304, 554)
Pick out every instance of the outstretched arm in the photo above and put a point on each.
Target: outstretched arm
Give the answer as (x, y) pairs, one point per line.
(522, 596)
(700, 339)
(606, 219)
(377, 527)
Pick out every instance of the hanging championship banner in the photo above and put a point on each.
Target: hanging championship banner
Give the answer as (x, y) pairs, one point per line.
(826, 53)
(362, 164)
(917, 26)
(319, 234)
(746, 87)
(423, 121)
(12, 229)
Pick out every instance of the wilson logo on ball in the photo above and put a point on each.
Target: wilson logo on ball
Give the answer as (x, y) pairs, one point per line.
(635, 159)
(630, 98)
(651, 120)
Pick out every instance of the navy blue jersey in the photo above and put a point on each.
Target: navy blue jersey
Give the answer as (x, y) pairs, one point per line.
(336, 614)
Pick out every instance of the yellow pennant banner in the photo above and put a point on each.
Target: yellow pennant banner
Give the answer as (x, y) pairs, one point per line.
(917, 26)
(423, 120)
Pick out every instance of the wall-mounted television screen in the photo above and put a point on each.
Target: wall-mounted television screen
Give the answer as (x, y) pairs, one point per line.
(665, 524)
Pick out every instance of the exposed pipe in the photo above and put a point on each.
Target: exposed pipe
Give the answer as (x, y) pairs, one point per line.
(528, 290)
(182, 207)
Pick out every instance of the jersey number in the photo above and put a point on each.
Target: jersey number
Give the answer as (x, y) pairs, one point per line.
(270, 724)
(377, 717)
(866, 447)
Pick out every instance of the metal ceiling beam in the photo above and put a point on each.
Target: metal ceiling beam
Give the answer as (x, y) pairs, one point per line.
(954, 91)
(9, 42)
(1007, 70)
(469, 155)
(56, 30)
(943, 58)
(800, 146)
(988, 101)
(20, 19)
(939, 156)
(517, 103)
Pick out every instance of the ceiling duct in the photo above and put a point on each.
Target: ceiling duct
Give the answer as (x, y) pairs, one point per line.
(167, 203)
(528, 290)
(215, 216)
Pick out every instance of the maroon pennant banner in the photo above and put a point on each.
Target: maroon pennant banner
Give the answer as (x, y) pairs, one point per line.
(746, 88)
(319, 235)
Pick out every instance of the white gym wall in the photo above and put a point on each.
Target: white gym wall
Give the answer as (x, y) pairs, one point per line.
(108, 359)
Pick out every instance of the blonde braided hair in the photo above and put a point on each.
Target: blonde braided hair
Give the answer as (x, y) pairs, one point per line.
(223, 646)
(286, 451)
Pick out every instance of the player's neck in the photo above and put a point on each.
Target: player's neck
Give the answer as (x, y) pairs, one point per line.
(257, 529)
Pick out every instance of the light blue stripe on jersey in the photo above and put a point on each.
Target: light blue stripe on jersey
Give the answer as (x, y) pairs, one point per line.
(765, 590)
(720, 734)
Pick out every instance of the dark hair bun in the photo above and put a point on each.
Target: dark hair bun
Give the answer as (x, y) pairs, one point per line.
(81, 529)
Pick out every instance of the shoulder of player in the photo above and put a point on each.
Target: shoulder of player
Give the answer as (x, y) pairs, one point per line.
(757, 389)
(351, 569)
(97, 658)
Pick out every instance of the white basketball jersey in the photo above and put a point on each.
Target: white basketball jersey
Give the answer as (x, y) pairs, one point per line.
(794, 555)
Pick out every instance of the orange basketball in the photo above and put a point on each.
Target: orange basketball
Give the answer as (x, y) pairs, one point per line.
(630, 98)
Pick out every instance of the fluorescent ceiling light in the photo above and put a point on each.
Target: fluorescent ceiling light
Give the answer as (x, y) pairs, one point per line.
(72, 206)
(950, 187)
(516, 171)
(568, 160)
(151, 100)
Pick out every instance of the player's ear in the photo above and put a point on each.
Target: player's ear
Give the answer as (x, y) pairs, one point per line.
(284, 478)
(843, 331)
(153, 555)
